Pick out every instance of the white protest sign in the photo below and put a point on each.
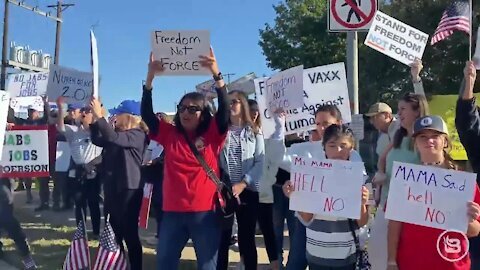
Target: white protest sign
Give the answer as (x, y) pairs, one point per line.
(4, 101)
(63, 157)
(327, 187)
(180, 50)
(430, 196)
(25, 152)
(75, 86)
(284, 89)
(207, 88)
(21, 104)
(396, 39)
(322, 85)
(28, 84)
(94, 58)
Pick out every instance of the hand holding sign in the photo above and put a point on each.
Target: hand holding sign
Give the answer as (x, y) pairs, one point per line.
(96, 106)
(470, 73)
(415, 69)
(473, 211)
(365, 195)
(210, 62)
(155, 68)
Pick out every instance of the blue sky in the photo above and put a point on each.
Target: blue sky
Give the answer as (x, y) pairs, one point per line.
(123, 35)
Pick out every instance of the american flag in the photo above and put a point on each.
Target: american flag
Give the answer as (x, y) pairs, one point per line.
(110, 256)
(455, 17)
(78, 256)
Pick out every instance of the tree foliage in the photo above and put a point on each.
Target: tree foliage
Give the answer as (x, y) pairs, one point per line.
(300, 36)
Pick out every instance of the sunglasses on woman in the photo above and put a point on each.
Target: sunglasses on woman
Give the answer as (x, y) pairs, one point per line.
(191, 109)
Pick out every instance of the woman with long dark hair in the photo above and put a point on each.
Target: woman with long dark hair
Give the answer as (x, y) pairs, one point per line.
(189, 194)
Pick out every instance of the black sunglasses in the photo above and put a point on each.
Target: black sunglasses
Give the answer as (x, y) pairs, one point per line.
(191, 109)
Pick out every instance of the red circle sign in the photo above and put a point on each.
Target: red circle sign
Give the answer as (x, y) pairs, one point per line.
(366, 18)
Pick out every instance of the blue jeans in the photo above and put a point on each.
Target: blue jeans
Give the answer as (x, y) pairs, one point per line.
(281, 212)
(297, 258)
(176, 228)
(475, 253)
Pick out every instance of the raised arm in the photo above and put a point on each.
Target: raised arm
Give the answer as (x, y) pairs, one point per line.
(148, 116)
(46, 110)
(108, 134)
(222, 115)
(96, 135)
(61, 115)
(467, 118)
(415, 70)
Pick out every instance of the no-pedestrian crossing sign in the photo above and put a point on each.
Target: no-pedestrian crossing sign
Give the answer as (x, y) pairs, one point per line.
(351, 15)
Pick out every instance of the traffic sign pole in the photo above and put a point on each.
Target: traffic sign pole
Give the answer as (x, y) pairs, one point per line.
(352, 69)
(352, 73)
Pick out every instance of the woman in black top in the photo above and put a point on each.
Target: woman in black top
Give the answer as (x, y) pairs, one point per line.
(123, 150)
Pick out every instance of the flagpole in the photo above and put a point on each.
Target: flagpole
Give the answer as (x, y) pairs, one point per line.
(471, 31)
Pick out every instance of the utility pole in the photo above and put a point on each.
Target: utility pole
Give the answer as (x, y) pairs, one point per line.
(60, 8)
(228, 75)
(5, 62)
(4, 48)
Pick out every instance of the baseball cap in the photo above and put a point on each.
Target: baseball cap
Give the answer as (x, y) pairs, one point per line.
(127, 106)
(377, 108)
(74, 106)
(431, 122)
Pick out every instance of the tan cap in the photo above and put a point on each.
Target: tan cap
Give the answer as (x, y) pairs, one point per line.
(377, 108)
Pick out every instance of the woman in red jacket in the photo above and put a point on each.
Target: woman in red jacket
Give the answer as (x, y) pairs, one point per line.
(414, 247)
(188, 193)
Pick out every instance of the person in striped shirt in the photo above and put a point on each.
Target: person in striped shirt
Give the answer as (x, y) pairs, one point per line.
(330, 241)
(242, 158)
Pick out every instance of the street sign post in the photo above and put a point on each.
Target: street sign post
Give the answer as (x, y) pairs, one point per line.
(351, 15)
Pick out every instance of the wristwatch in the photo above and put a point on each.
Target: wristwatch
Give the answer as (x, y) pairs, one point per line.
(218, 77)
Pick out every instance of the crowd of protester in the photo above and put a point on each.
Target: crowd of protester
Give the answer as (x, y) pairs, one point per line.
(112, 159)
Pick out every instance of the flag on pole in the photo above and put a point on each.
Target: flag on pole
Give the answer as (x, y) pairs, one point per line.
(145, 209)
(78, 256)
(109, 256)
(455, 17)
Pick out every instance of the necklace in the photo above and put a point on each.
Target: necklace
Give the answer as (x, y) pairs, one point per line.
(438, 163)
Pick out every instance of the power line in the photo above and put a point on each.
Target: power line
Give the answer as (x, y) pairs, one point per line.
(5, 63)
(60, 8)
